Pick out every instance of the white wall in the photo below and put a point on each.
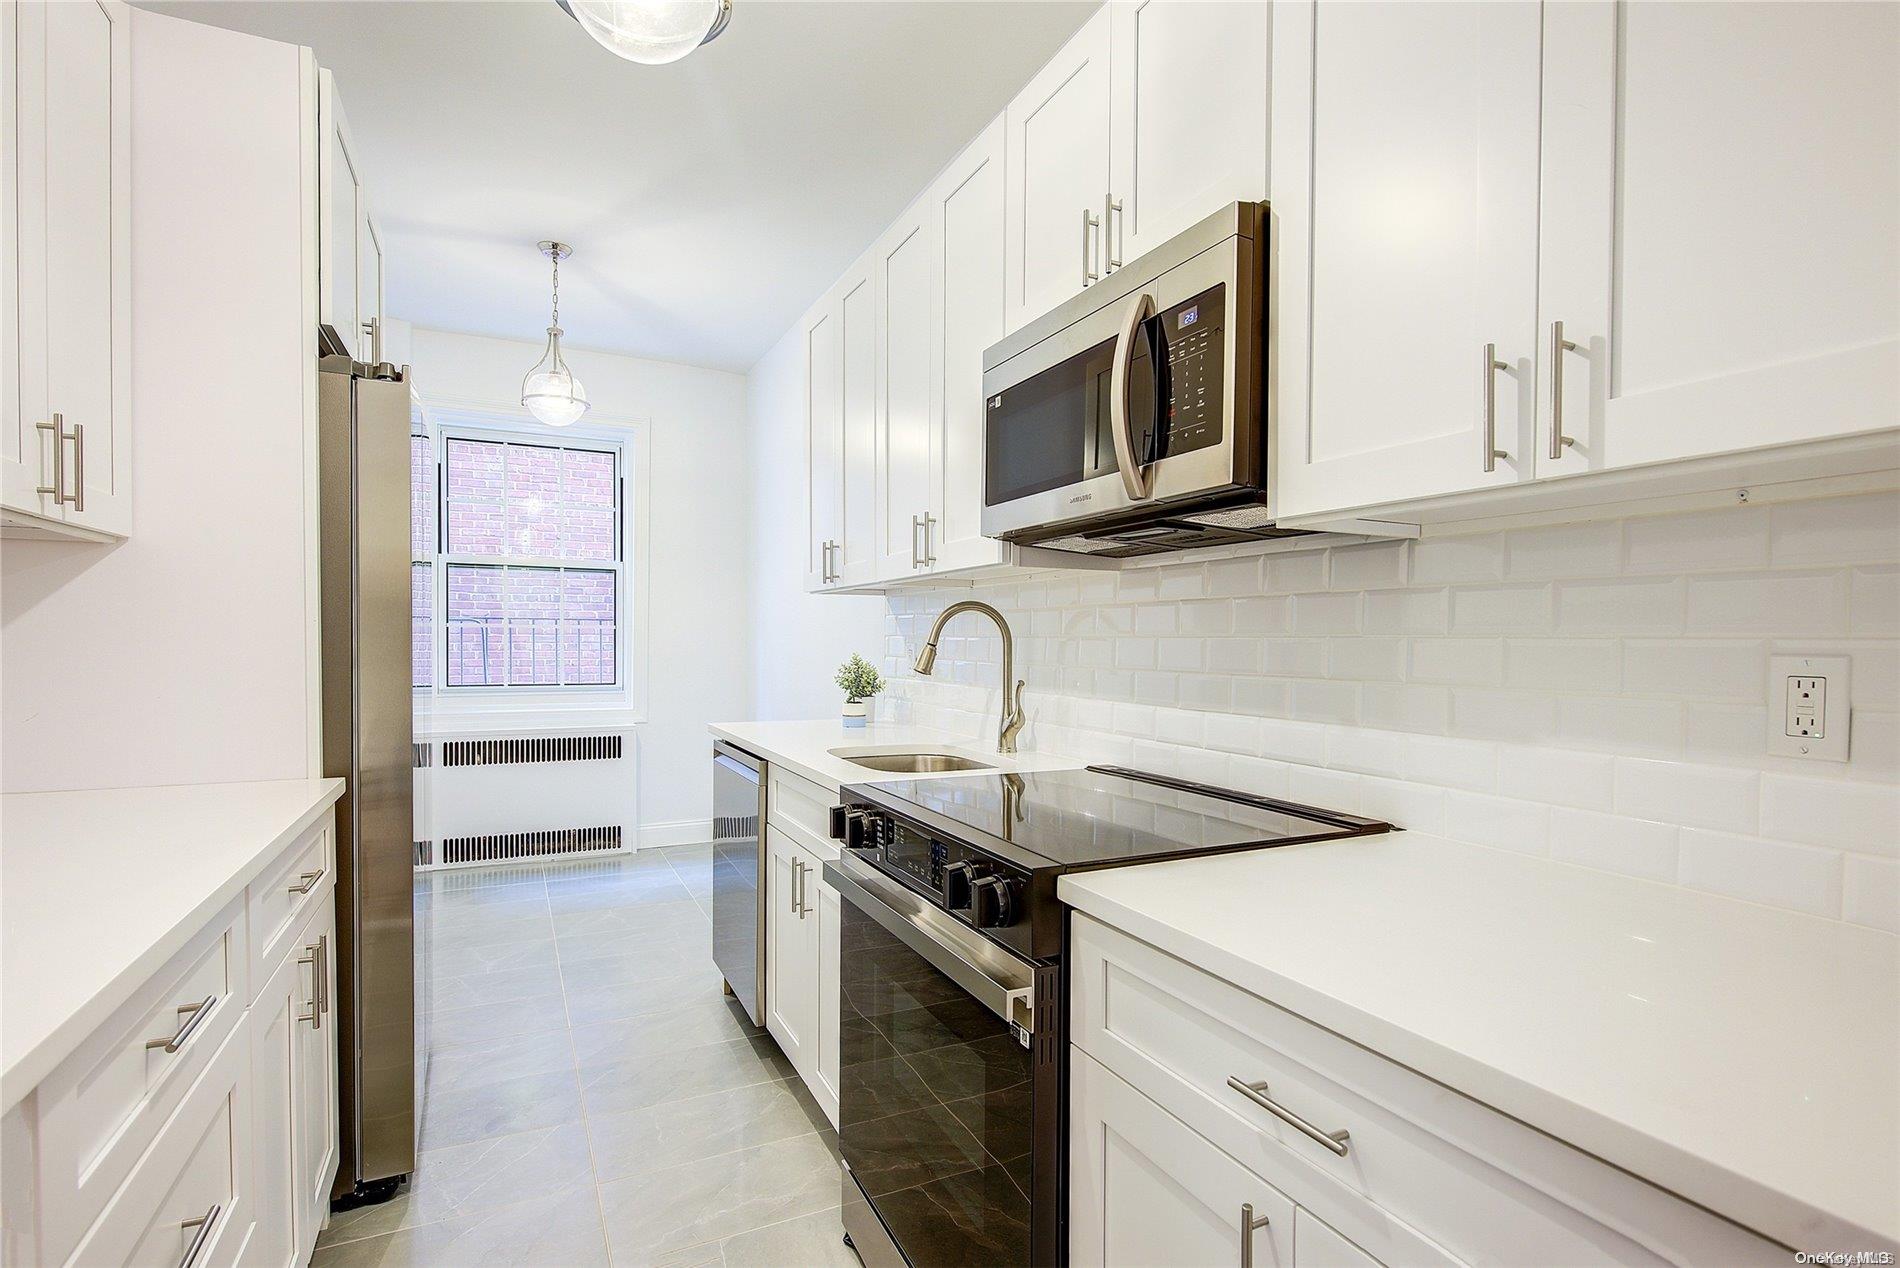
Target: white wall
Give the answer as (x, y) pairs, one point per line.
(1594, 692)
(697, 650)
(180, 655)
(800, 638)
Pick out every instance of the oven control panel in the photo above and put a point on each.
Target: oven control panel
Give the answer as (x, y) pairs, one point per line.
(965, 882)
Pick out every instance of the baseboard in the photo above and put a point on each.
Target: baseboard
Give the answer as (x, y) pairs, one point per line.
(675, 832)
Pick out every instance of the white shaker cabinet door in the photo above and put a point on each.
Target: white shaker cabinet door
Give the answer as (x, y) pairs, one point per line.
(1058, 175)
(1404, 171)
(824, 442)
(1721, 227)
(854, 562)
(68, 262)
(341, 212)
(966, 205)
(1144, 1188)
(314, 1122)
(904, 420)
(791, 993)
(1189, 119)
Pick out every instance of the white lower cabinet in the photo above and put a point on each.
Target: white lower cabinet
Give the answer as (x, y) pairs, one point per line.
(802, 925)
(199, 1123)
(1397, 1170)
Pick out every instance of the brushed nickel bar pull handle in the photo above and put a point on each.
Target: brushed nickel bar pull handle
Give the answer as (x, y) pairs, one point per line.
(306, 882)
(58, 487)
(204, 1224)
(315, 1015)
(1257, 1093)
(189, 1017)
(1091, 226)
(1111, 231)
(930, 554)
(1558, 346)
(916, 554)
(1247, 1225)
(1491, 367)
(323, 972)
(78, 495)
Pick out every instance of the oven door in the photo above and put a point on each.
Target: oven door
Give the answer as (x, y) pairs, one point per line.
(937, 1082)
(1152, 397)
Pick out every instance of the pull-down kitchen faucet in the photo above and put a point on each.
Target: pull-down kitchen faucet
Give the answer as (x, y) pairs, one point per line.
(1012, 721)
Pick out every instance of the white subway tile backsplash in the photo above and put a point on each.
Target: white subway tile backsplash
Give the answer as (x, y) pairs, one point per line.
(1870, 892)
(1781, 603)
(1798, 876)
(1832, 812)
(1500, 609)
(1564, 550)
(1629, 606)
(1703, 796)
(1503, 822)
(1559, 777)
(1703, 541)
(1615, 843)
(1700, 668)
(1436, 560)
(1837, 530)
(1593, 689)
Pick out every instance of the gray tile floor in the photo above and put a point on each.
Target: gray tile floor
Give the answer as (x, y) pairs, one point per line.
(591, 1095)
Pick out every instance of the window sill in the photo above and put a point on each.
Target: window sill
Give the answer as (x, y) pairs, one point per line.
(466, 723)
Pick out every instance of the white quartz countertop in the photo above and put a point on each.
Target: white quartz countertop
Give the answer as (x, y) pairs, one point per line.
(1742, 1057)
(99, 888)
(805, 748)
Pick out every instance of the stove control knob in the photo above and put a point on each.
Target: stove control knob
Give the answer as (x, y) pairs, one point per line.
(955, 888)
(992, 903)
(860, 828)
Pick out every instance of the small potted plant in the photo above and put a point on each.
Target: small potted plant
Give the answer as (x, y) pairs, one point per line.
(860, 680)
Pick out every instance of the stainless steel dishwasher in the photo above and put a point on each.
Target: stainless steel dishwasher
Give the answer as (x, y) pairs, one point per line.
(738, 875)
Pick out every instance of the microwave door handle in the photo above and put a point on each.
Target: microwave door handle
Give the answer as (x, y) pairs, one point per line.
(1134, 477)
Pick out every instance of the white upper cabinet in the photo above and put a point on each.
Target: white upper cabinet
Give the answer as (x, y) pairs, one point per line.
(1188, 117)
(855, 559)
(1058, 147)
(965, 208)
(350, 252)
(1726, 260)
(1405, 155)
(65, 451)
(824, 442)
(905, 418)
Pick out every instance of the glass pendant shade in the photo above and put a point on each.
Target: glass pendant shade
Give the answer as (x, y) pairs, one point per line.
(551, 392)
(651, 31)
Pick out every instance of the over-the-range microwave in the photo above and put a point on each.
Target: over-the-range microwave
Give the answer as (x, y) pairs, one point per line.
(1133, 419)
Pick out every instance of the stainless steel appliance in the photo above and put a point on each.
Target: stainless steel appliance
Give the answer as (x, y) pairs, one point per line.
(363, 442)
(1133, 419)
(952, 996)
(738, 875)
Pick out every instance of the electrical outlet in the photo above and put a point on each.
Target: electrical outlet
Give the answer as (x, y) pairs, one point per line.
(1807, 706)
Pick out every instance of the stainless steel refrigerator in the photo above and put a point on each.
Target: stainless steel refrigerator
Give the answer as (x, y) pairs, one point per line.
(367, 733)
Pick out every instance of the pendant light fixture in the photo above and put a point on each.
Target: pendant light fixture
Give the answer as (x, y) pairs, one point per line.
(653, 32)
(550, 391)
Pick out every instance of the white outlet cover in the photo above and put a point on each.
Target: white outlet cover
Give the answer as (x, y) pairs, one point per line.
(1783, 739)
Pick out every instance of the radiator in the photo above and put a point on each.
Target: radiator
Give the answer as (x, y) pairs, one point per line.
(502, 798)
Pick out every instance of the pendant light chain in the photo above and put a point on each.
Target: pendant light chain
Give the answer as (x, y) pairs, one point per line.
(557, 290)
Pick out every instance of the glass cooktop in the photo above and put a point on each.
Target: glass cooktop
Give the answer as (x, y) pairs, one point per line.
(1104, 815)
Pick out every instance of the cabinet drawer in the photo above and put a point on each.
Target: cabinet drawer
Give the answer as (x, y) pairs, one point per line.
(796, 802)
(286, 892)
(1427, 1174)
(189, 1200)
(103, 1106)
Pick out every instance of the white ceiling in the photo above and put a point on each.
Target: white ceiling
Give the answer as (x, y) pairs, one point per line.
(708, 202)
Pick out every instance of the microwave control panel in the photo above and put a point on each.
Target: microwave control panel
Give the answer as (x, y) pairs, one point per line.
(1191, 338)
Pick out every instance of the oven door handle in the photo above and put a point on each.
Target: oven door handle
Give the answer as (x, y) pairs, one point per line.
(1134, 475)
(912, 921)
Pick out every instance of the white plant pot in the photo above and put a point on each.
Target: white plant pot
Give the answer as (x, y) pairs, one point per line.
(856, 712)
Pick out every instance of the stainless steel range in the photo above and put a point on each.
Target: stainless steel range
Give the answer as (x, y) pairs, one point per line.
(953, 1038)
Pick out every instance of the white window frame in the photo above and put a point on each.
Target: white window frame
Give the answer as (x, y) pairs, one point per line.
(444, 419)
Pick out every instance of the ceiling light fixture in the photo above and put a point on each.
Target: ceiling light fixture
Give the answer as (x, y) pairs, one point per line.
(653, 32)
(550, 391)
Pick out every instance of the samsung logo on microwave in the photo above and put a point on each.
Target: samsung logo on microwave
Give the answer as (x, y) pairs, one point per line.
(1081, 497)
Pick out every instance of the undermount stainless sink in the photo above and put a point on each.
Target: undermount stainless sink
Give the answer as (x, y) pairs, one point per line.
(916, 763)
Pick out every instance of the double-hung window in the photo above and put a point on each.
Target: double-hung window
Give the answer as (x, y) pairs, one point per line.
(518, 572)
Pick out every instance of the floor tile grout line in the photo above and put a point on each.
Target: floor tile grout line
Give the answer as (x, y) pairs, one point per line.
(694, 1162)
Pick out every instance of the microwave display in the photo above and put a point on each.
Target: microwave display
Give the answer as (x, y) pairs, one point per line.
(1052, 430)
